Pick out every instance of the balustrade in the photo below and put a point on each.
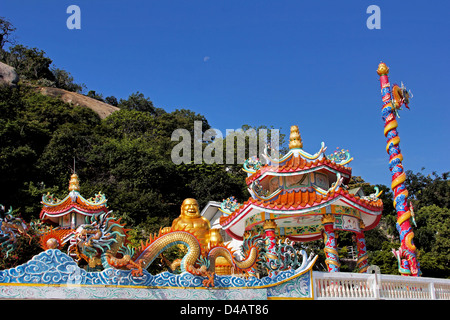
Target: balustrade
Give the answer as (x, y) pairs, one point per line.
(342, 285)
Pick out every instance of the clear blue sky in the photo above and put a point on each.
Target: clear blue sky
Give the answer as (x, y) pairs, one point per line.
(279, 63)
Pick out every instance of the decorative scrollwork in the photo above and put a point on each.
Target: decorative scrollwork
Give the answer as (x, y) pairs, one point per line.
(251, 165)
(229, 205)
(340, 156)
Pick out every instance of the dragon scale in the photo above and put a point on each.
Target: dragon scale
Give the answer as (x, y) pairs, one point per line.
(392, 102)
(168, 240)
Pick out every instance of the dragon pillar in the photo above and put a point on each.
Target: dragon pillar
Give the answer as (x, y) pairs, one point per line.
(391, 102)
(271, 255)
(329, 238)
(361, 264)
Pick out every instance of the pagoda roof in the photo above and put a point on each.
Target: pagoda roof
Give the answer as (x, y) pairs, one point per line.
(297, 164)
(54, 208)
(301, 202)
(69, 204)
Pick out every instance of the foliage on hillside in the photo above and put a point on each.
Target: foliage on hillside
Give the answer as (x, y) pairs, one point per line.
(126, 156)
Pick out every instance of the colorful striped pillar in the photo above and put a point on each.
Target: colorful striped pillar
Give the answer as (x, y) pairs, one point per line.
(329, 238)
(362, 263)
(407, 251)
(269, 227)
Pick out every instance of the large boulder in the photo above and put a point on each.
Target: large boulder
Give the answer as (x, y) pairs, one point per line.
(101, 108)
(8, 75)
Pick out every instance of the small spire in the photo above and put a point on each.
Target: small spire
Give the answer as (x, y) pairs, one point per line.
(295, 140)
(74, 184)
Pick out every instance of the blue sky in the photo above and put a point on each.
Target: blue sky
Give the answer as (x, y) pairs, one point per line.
(275, 63)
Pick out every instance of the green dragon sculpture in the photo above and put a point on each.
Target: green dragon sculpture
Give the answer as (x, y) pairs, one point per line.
(11, 228)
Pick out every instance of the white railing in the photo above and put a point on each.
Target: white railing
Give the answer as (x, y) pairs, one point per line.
(342, 285)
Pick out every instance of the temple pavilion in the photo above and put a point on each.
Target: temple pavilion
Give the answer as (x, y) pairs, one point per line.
(303, 197)
(67, 214)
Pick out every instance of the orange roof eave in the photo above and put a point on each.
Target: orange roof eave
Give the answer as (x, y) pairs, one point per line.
(297, 164)
(300, 201)
(68, 206)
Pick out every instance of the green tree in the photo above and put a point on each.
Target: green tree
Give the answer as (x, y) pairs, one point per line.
(64, 80)
(382, 257)
(112, 101)
(137, 101)
(206, 182)
(28, 123)
(6, 33)
(94, 95)
(30, 63)
(428, 190)
(432, 238)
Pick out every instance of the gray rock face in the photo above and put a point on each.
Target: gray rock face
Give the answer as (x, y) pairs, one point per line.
(8, 75)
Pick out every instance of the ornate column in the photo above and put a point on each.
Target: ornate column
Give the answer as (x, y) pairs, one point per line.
(362, 263)
(329, 238)
(406, 255)
(269, 227)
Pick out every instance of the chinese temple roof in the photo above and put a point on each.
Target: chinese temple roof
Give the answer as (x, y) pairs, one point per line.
(73, 202)
(300, 202)
(296, 164)
(305, 201)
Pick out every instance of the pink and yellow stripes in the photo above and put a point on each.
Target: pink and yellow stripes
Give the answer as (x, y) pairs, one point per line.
(408, 250)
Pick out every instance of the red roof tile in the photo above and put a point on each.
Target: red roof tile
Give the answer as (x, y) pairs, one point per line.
(298, 200)
(298, 164)
(68, 204)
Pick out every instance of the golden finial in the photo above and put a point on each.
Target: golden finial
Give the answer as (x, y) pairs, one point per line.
(269, 224)
(74, 184)
(362, 226)
(382, 69)
(328, 218)
(295, 140)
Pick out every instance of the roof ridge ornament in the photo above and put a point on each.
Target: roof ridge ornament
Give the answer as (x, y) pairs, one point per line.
(295, 140)
(74, 183)
(340, 156)
(295, 149)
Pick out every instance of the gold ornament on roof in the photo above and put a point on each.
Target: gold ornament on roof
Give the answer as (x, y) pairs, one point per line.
(74, 184)
(328, 218)
(269, 224)
(362, 226)
(295, 140)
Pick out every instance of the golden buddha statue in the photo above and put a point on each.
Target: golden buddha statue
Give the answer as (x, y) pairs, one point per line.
(191, 220)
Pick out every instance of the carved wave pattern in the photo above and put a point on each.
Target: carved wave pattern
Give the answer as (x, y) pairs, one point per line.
(56, 267)
(299, 287)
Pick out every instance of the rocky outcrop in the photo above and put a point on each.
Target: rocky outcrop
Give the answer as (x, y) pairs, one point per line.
(101, 108)
(8, 75)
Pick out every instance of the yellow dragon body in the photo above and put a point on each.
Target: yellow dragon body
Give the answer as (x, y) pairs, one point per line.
(103, 243)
